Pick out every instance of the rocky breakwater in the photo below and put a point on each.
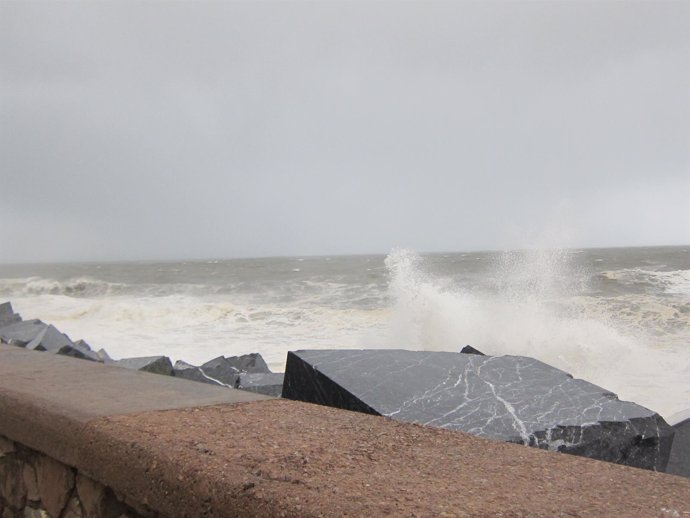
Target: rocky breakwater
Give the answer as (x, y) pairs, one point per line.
(508, 398)
(246, 372)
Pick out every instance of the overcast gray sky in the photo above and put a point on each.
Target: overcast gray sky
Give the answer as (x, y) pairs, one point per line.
(133, 130)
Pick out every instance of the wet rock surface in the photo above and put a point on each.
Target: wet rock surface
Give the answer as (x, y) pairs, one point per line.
(221, 371)
(245, 372)
(153, 364)
(39, 336)
(679, 461)
(509, 398)
(7, 314)
(270, 384)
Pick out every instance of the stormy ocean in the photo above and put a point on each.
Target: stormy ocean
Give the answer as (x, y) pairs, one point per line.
(617, 317)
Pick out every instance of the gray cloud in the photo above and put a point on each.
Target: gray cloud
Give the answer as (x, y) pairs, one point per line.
(193, 129)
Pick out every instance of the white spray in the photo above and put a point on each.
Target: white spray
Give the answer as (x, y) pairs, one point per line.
(534, 309)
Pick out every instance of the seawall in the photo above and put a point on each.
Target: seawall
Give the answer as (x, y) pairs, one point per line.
(82, 439)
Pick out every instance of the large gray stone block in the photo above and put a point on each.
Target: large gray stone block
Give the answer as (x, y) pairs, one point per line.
(21, 333)
(153, 364)
(52, 340)
(679, 461)
(7, 314)
(509, 398)
(221, 371)
(191, 372)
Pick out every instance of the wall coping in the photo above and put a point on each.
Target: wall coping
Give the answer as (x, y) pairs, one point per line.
(190, 449)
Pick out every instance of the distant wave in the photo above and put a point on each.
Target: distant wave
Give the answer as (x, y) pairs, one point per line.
(672, 282)
(88, 287)
(76, 287)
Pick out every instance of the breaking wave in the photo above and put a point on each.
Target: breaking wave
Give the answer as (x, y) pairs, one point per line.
(534, 307)
(76, 287)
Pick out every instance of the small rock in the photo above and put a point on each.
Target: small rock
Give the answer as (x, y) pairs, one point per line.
(253, 363)
(221, 370)
(269, 384)
(31, 483)
(55, 483)
(21, 333)
(103, 355)
(187, 371)
(7, 314)
(153, 364)
(468, 349)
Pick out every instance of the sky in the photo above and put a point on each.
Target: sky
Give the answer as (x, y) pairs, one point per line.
(165, 130)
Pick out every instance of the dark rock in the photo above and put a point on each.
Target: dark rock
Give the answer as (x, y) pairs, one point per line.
(154, 364)
(88, 354)
(6, 446)
(82, 345)
(192, 372)
(12, 488)
(31, 482)
(252, 363)
(679, 461)
(55, 484)
(52, 340)
(222, 371)
(270, 384)
(7, 314)
(103, 355)
(509, 398)
(468, 349)
(85, 351)
(21, 333)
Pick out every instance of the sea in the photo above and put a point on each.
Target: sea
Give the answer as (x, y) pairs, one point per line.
(617, 317)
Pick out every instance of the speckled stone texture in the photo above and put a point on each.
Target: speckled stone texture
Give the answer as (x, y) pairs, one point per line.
(287, 458)
(509, 398)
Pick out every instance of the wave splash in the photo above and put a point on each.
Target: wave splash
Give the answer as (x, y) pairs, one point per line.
(532, 306)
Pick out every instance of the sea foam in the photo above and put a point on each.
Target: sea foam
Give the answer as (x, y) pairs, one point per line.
(533, 309)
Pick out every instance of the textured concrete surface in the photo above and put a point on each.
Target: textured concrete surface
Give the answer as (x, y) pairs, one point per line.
(84, 390)
(272, 457)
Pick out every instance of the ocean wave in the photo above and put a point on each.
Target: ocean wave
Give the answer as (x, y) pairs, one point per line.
(75, 287)
(671, 282)
(89, 287)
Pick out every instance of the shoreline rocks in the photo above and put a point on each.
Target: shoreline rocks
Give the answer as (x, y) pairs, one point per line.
(509, 398)
(679, 461)
(228, 372)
